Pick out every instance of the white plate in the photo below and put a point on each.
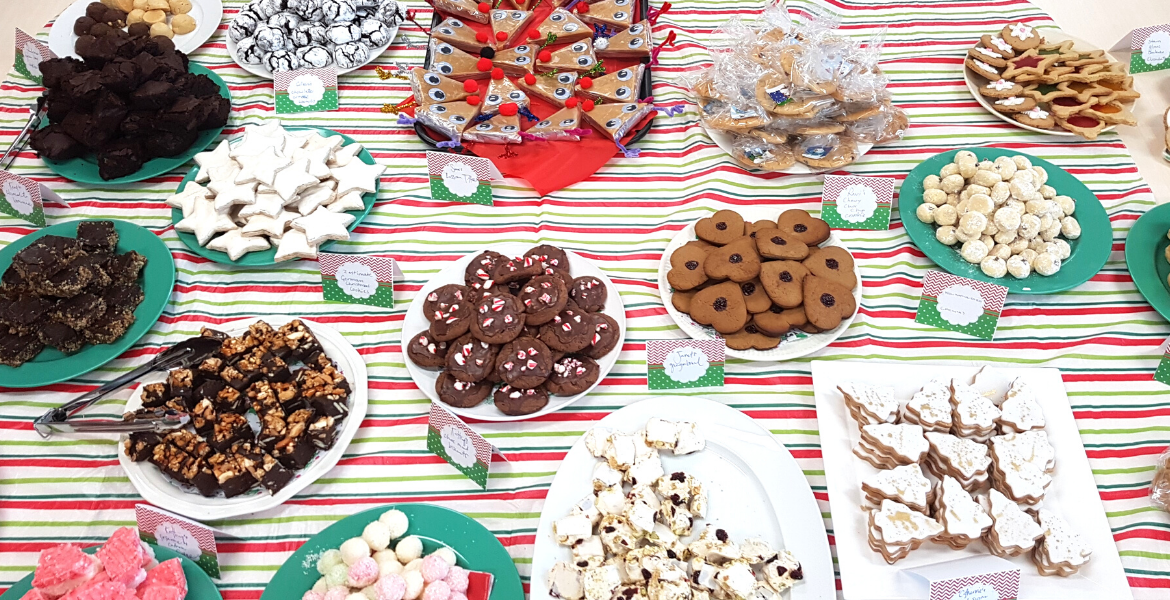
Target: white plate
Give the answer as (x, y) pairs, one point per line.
(795, 344)
(725, 139)
(1073, 494)
(207, 15)
(263, 71)
(754, 488)
(161, 491)
(415, 323)
(974, 82)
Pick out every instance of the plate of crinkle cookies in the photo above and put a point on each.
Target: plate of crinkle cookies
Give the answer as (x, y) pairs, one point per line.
(1006, 218)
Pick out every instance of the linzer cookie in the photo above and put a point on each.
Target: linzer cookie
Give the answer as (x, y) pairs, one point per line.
(1013, 531)
(1062, 551)
(885, 445)
(895, 530)
(963, 519)
(904, 484)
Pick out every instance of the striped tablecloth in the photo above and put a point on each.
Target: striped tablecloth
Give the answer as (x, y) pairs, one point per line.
(1102, 335)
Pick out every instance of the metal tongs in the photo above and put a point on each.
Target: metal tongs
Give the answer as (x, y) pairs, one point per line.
(37, 114)
(181, 355)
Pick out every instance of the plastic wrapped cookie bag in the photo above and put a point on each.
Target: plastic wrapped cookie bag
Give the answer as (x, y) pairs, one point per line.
(755, 153)
(878, 124)
(1160, 486)
(723, 116)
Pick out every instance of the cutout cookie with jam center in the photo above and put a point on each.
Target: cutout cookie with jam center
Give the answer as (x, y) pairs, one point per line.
(721, 228)
(686, 268)
(783, 281)
(805, 227)
(833, 263)
(778, 321)
(737, 261)
(777, 243)
(720, 306)
(827, 303)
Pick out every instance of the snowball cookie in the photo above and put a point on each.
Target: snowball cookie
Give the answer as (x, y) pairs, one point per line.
(1019, 246)
(991, 228)
(1005, 167)
(1018, 266)
(987, 179)
(1000, 193)
(1048, 192)
(946, 215)
(321, 586)
(972, 223)
(353, 550)
(934, 196)
(1041, 175)
(1070, 227)
(1022, 162)
(328, 559)
(948, 170)
(1029, 226)
(952, 184)
(925, 212)
(1001, 250)
(387, 562)
(414, 585)
(397, 522)
(931, 182)
(1046, 263)
(413, 565)
(946, 235)
(993, 266)
(1005, 236)
(338, 574)
(987, 241)
(1067, 204)
(963, 156)
(968, 169)
(1063, 250)
(974, 251)
(963, 237)
(446, 554)
(408, 549)
(377, 535)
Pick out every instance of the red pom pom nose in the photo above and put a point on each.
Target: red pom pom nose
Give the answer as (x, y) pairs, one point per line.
(470, 86)
(497, 73)
(509, 109)
(483, 7)
(481, 37)
(533, 34)
(582, 7)
(585, 83)
(473, 100)
(530, 79)
(544, 56)
(484, 64)
(587, 105)
(571, 102)
(501, 36)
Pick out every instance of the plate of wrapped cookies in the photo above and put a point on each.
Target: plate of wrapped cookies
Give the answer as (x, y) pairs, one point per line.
(776, 288)
(1049, 82)
(1007, 218)
(930, 463)
(271, 410)
(187, 23)
(513, 332)
(793, 98)
(77, 295)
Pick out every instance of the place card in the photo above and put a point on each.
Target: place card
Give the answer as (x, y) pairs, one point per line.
(679, 364)
(1149, 48)
(30, 54)
(960, 304)
(306, 90)
(22, 198)
(973, 578)
(451, 438)
(459, 178)
(186, 537)
(357, 279)
(1162, 374)
(855, 202)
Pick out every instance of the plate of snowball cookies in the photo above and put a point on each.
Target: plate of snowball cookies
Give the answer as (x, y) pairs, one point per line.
(1007, 218)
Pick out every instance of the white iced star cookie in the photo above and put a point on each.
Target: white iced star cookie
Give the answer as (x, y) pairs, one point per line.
(257, 138)
(316, 140)
(324, 225)
(273, 227)
(318, 160)
(261, 167)
(345, 154)
(294, 245)
(204, 222)
(348, 202)
(317, 195)
(290, 181)
(184, 200)
(227, 197)
(236, 244)
(358, 176)
(268, 203)
(214, 162)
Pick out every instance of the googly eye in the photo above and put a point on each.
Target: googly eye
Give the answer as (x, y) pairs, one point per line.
(458, 119)
(521, 49)
(556, 18)
(543, 124)
(621, 2)
(624, 75)
(561, 93)
(437, 94)
(522, 60)
(493, 99)
(566, 78)
(567, 123)
(445, 49)
(499, 15)
(613, 123)
(517, 15)
(439, 109)
(619, 16)
(630, 108)
(443, 68)
(578, 47)
(636, 43)
(509, 128)
(569, 27)
(622, 92)
(446, 31)
(517, 95)
(483, 127)
(432, 79)
(455, 23)
(584, 61)
(635, 29)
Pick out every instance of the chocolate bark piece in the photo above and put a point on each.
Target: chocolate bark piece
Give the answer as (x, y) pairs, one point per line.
(210, 367)
(193, 444)
(13, 285)
(207, 332)
(274, 368)
(276, 477)
(169, 459)
(300, 339)
(264, 400)
(97, 235)
(140, 445)
(60, 336)
(233, 377)
(45, 256)
(273, 429)
(229, 429)
(289, 395)
(232, 400)
(204, 416)
(154, 394)
(204, 480)
(123, 296)
(210, 389)
(235, 348)
(24, 313)
(79, 311)
(53, 143)
(323, 432)
(95, 261)
(182, 385)
(120, 158)
(66, 283)
(296, 453)
(109, 327)
(233, 478)
(251, 368)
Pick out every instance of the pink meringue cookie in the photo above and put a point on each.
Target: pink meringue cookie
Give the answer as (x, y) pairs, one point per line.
(458, 596)
(362, 573)
(434, 568)
(390, 587)
(437, 590)
(336, 593)
(311, 595)
(458, 579)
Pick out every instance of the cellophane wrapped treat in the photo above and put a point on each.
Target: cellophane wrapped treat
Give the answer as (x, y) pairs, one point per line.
(796, 93)
(1160, 486)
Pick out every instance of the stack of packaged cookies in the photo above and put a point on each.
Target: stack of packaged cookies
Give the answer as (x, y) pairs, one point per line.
(790, 94)
(988, 465)
(524, 323)
(1051, 85)
(753, 283)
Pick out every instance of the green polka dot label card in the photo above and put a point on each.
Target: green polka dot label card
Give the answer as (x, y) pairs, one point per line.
(459, 178)
(1149, 48)
(959, 304)
(684, 364)
(29, 55)
(855, 202)
(1162, 374)
(306, 90)
(352, 279)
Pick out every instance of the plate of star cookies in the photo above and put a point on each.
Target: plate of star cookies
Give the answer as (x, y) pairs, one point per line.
(1049, 82)
(933, 463)
(275, 194)
(778, 287)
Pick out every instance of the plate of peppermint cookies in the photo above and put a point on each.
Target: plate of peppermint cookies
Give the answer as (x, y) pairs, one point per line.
(931, 463)
(776, 285)
(275, 194)
(513, 332)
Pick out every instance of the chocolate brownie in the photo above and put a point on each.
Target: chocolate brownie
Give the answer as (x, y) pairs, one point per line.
(516, 402)
(589, 293)
(572, 375)
(460, 394)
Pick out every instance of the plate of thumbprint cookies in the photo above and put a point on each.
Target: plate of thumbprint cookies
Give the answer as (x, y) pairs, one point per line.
(513, 332)
(776, 285)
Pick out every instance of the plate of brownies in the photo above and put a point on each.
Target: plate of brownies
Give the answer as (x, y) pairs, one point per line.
(271, 411)
(76, 295)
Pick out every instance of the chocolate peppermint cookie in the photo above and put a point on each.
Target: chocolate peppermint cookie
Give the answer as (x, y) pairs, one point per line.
(605, 337)
(552, 259)
(589, 293)
(571, 330)
(498, 319)
(516, 269)
(527, 364)
(543, 297)
(427, 352)
(515, 402)
(572, 375)
(469, 359)
(460, 394)
(478, 274)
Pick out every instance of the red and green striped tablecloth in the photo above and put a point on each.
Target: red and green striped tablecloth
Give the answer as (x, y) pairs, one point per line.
(1102, 335)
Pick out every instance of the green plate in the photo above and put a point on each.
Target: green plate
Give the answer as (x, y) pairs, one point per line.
(84, 169)
(1089, 252)
(476, 549)
(199, 585)
(265, 258)
(1145, 255)
(158, 277)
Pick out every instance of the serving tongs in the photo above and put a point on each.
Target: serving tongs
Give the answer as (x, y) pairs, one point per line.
(181, 355)
(37, 114)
